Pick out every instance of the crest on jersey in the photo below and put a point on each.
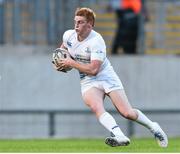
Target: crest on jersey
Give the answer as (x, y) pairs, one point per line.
(69, 44)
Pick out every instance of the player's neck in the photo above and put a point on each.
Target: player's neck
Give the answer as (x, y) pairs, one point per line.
(83, 36)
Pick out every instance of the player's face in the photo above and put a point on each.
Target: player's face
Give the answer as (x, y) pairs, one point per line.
(81, 25)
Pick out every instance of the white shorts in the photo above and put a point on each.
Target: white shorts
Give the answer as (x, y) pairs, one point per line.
(106, 85)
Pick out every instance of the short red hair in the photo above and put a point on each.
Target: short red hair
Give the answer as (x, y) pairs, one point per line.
(87, 13)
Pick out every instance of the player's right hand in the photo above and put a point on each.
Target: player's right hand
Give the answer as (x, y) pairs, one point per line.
(57, 67)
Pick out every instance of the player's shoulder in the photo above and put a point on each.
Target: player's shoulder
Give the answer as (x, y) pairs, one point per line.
(69, 33)
(96, 34)
(97, 37)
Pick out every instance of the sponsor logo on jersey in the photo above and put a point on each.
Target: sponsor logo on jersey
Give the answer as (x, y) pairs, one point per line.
(82, 58)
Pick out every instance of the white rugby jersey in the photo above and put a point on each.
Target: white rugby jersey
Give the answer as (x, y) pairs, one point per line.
(92, 48)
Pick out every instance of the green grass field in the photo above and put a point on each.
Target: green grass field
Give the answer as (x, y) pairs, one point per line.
(85, 145)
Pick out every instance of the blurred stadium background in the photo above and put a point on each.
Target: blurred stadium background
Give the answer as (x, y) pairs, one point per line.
(38, 102)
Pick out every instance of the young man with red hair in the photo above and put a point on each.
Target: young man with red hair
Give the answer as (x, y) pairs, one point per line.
(98, 79)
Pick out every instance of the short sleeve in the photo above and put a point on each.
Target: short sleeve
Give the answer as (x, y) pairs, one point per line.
(66, 36)
(98, 50)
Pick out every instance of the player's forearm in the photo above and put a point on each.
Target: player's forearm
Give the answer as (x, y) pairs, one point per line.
(85, 68)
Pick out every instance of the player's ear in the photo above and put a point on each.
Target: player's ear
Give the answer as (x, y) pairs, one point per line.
(89, 25)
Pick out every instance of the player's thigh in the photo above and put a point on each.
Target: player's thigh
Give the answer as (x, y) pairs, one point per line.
(94, 97)
(121, 102)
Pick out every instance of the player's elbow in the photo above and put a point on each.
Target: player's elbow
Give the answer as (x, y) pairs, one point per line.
(94, 67)
(94, 71)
